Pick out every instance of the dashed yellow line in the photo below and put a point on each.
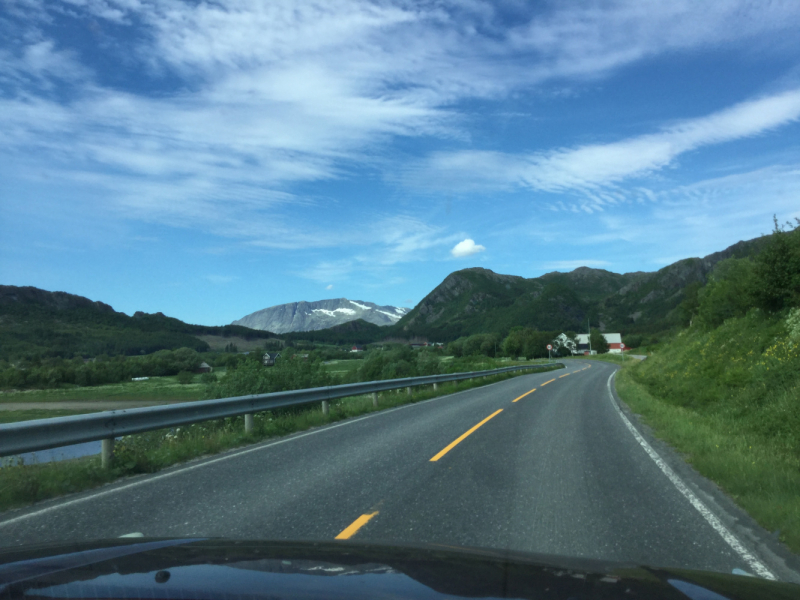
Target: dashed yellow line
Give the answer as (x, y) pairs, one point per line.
(523, 395)
(355, 526)
(564, 375)
(546, 382)
(461, 438)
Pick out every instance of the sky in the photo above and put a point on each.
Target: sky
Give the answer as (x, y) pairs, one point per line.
(210, 159)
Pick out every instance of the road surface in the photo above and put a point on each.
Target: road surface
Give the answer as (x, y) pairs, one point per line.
(557, 470)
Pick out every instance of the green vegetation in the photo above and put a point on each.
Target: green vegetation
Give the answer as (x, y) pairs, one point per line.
(39, 324)
(55, 372)
(155, 388)
(22, 484)
(726, 391)
(15, 416)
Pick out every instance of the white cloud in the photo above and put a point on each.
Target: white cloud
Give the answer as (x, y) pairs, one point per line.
(467, 247)
(251, 97)
(590, 167)
(329, 287)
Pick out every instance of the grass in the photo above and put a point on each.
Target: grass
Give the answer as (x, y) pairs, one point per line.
(21, 485)
(342, 367)
(14, 416)
(155, 388)
(729, 401)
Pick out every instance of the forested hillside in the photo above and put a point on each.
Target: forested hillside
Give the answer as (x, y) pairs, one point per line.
(480, 301)
(36, 322)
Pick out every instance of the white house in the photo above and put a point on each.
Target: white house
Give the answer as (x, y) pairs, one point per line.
(614, 341)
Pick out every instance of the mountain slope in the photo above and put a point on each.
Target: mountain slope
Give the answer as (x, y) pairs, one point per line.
(322, 314)
(38, 322)
(478, 300)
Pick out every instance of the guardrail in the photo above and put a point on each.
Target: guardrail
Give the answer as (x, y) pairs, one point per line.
(41, 434)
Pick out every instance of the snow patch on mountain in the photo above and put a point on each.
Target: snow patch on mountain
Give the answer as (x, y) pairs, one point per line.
(310, 316)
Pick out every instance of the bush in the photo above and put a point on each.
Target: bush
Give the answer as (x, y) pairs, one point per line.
(208, 378)
(185, 377)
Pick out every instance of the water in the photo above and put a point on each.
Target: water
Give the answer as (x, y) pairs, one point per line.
(54, 454)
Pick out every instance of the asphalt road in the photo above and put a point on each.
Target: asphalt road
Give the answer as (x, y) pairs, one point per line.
(558, 471)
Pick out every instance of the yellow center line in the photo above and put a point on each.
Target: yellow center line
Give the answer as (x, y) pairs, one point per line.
(546, 382)
(460, 439)
(564, 375)
(523, 395)
(355, 526)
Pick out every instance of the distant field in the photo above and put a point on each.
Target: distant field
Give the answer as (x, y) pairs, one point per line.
(217, 342)
(155, 388)
(14, 416)
(342, 367)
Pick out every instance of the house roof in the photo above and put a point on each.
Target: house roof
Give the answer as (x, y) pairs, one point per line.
(204, 365)
(611, 338)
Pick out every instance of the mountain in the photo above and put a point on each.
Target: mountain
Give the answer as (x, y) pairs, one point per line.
(322, 314)
(38, 322)
(478, 300)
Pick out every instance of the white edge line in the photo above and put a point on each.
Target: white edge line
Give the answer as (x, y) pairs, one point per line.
(755, 564)
(234, 454)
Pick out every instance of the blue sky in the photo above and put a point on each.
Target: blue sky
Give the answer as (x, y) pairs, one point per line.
(208, 160)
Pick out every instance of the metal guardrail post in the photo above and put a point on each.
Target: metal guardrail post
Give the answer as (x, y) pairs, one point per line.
(106, 452)
(435, 386)
(326, 407)
(375, 399)
(408, 390)
(248, 423)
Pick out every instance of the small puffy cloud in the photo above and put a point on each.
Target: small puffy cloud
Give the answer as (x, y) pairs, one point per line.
(329, 287)
(466, 248)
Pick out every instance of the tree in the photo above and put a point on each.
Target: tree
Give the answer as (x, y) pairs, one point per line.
(598, 341)
(777, 272)
(728, 294)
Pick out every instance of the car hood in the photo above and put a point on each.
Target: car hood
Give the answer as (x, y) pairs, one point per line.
(212, 568)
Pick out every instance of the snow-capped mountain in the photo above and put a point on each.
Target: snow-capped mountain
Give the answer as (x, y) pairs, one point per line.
(309, 316)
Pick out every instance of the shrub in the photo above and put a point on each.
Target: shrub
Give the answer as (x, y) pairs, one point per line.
(185, 377)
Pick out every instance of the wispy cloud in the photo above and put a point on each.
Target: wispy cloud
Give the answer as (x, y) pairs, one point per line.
(589, 168)
(227, 106)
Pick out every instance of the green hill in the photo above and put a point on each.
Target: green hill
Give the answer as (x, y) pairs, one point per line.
(57, 324)
(480, 301)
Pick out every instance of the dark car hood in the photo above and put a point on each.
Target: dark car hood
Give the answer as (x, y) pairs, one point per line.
(214, 568)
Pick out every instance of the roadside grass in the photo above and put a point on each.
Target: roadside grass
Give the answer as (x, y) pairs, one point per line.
(610, 358)
(24, 484)
(14, 416)
(729, 401)
(155, 388)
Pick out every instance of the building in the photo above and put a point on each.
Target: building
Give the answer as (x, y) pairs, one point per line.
(204, 368)
(357, 349)
(270, 358)
(614, 341)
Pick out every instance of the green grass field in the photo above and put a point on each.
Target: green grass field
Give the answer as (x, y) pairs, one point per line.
(342, 367)
(14, 416)
(155, 388)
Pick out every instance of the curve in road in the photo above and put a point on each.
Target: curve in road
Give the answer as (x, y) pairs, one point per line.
(539, 463)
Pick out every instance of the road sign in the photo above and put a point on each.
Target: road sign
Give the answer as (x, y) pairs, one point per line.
(549, 347)
(622, 346)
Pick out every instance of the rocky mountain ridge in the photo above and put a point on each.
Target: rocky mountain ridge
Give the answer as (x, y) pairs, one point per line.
(321, 314)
